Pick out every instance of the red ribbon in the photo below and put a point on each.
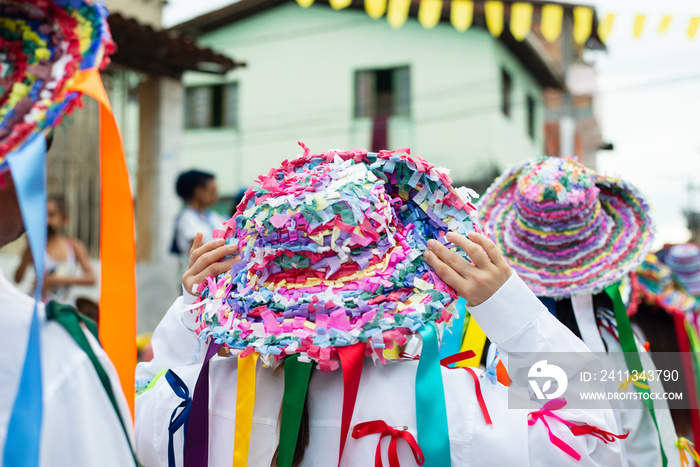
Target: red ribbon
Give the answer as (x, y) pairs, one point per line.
(351, 359)
(380, 427)
(458, 357)
(576, 430)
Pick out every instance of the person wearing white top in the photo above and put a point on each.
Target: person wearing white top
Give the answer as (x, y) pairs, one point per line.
(80, 426)
(500, 302)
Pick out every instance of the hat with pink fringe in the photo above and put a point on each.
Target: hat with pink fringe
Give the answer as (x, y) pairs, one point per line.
(684, 261)
(565, 229)
(332, 255)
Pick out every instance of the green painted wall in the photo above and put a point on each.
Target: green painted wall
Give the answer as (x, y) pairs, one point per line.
(299, 86)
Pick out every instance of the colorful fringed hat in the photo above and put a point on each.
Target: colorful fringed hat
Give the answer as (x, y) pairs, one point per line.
(684, 261)
(565, 229)
(332, 255)
(655, 284)
(43, 46)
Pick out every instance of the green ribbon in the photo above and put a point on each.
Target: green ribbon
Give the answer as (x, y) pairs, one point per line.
(296, 383)
(631, 353)
(70, 319)
(431, 409)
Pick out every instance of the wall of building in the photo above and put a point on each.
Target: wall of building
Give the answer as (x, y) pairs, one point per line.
(299, 86)
(145, 11)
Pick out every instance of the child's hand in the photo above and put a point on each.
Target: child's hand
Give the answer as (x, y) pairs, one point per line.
(205, 260)
(475, 281)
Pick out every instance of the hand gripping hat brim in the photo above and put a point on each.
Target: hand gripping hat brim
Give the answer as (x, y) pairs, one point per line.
(331, 250)
(584, 232)
(43, 46)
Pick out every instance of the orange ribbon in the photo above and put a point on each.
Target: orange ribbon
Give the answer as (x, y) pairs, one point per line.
(117, 241)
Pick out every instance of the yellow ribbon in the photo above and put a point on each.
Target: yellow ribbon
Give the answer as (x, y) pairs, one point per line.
(474, 340)
(636, 381)
(245, 402)
(684, 445)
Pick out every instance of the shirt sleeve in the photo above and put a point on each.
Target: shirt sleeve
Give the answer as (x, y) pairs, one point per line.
(520, 324)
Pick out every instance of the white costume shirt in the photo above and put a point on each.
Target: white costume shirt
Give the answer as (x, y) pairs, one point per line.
(512, 317)
(80, 426)
(191, 221)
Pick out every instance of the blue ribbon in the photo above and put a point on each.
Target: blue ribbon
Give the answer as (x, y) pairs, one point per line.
(177, 420)
(492, 360)
(28, 169)
(431, 409)
(551, 305)
(452, 342)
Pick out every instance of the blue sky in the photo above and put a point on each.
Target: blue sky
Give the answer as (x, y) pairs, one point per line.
(648, 102)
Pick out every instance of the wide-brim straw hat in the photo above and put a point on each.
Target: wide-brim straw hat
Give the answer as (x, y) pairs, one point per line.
(654, 283)
(331, 250)
(565, 229)
(684, 261)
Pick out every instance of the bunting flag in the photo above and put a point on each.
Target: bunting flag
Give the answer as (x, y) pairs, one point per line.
(517, 15)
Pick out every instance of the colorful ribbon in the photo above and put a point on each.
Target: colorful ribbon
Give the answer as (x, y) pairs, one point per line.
(577, 430)
(177, 419)
(684, 445)
(245, 403)
(631, 354)
(684, 347)
(28, 170)
(197, 431)
(351, 359)
(382, 429)
(431, 409)
(477, 385)
(546, 411)
(452, 341)
(475, 339)
(296, 384)
(117, 240)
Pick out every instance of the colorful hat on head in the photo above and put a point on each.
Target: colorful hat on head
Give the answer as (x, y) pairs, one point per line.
(684, 261)
(655, 284)
(43, 45)
(332, 255)
(565, 229)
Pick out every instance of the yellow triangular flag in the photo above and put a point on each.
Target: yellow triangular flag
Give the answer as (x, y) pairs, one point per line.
(638, 25)
(605, 26)
(520, 20)
(305, 3)
(552, 16)
(397, 12)
(664, 24)
(693, 26)
(375, 8)
(461, 14)
(429, 13)
(583, 24)
(494, 17)
(340, 4)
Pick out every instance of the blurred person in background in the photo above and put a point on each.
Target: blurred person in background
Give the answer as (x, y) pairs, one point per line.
(66, 260)
(199, 192)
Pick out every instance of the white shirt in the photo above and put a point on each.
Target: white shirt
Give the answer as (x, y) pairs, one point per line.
(386, 392)
(191, 221)
(80, 426)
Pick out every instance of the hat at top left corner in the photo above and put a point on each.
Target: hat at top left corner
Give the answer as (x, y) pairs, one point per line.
(44, 46)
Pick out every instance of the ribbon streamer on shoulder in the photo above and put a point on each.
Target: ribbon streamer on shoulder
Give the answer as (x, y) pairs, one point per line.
(245, 403)
(117, 240)
(477, 385)
(28, 171)
(586, 321)
(351, 359)
(177, 420)
(431, 409)
(296, 384)
(631, 353)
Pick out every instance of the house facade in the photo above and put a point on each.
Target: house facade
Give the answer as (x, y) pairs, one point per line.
(339, 79)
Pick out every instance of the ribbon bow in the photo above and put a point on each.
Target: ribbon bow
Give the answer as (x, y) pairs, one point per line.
(177, 420)
(466, 355)
(684, 445)
(577, 430)
(380, 427)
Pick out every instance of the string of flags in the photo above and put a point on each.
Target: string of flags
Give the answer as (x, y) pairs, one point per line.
(519, 21)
